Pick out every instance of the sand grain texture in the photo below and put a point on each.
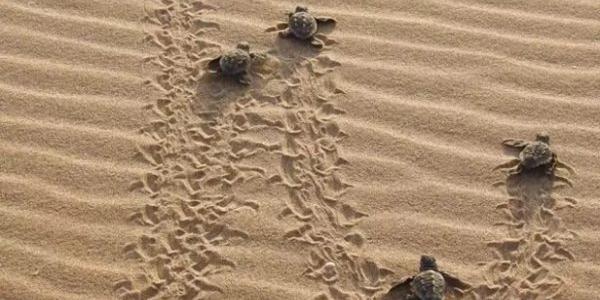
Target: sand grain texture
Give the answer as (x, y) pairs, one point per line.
(123, 163)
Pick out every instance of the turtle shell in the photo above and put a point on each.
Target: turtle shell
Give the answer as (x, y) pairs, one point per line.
(536, 154)
(303, 25)
(234, 62)
(429, 285)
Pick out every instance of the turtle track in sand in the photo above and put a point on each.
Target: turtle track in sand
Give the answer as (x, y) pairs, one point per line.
(197, 161)
(206, 140)
(304, 99)
(526, 264)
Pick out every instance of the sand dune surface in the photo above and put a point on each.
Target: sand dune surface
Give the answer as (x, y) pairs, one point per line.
(130, 170)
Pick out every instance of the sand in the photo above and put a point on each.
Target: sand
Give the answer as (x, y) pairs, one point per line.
(128, 172)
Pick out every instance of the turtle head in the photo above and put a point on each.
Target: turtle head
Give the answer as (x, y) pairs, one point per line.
(301, 8)
(243, 46)
(543, 137)
(428, 263)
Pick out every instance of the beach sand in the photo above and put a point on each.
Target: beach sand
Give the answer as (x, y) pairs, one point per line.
(127, 172)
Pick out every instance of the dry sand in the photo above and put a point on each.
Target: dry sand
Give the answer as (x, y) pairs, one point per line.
(115, 182)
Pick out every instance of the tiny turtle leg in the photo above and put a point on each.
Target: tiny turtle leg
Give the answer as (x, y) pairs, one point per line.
(516, 170)
(498, 183)
(515, 143)
(570, 169)
(567, 203)
(560, 186)
(317, 43)
(244, 79)
(214, 66)
(258, 55)
(563, 179)
(571, 201)
(278, 27)
(551, 169)
(326, 41)
(509, 164)
(285, 34)
(325, 21)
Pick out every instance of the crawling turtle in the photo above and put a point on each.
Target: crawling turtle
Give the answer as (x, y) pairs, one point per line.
(304, 26)
(234, 63)
(534, 154)
(429, 284)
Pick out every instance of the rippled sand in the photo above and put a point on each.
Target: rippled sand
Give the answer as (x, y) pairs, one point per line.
(126, 173)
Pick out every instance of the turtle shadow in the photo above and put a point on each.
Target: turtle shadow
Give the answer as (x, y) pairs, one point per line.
(530, 184)
(531, 193)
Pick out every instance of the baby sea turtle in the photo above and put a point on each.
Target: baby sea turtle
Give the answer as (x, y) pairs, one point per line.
(234, 63)
(534, 154)
(303, 25)
(429, 284)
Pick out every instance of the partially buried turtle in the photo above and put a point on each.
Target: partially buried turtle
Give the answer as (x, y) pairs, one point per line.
(303, 25)
(234, 63)
(534, 154)
(429, 284)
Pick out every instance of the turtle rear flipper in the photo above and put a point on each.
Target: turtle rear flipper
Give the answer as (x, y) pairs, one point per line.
(563, 180)
(323, 38)
(214, 65)
(278, 27)
(560, 164)
(400, 290)
(317, 42)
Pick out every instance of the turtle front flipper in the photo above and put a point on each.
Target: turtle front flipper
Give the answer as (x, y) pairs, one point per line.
(214, 65)
(515, 143)
(507, 165)
(258, 56)
(278, 27)
(455, 285)
(401, 290)
(323, 21)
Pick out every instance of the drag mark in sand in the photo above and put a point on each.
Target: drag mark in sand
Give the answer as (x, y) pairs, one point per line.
(302, 110)
(526, 261)
(197, 161)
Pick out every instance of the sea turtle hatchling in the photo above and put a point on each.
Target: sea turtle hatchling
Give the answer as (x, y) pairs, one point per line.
(303, 25)
(534, 154)
(429, 284)
(234, 63)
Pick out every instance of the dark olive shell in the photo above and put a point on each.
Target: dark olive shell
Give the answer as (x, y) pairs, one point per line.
(235, 62)
(536, 154)
(303, 25)
(429, 285)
